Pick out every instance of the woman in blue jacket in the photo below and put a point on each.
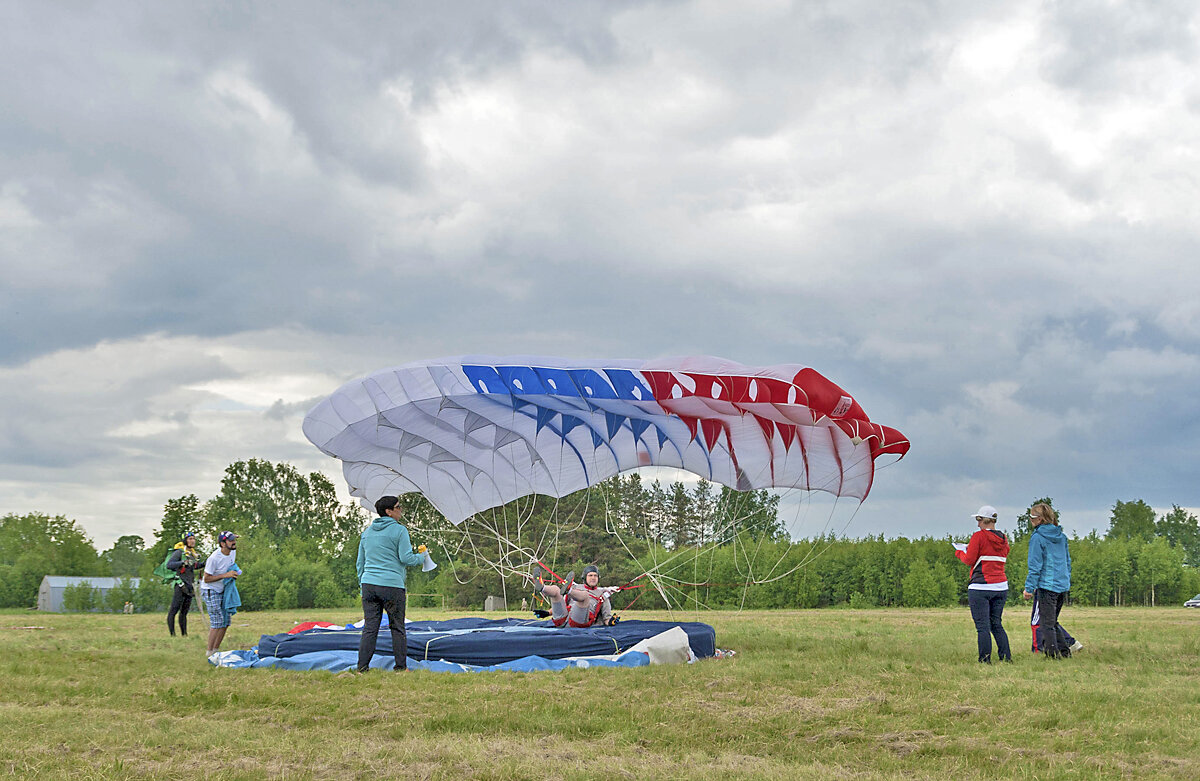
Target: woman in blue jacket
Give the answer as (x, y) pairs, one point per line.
(1049, 577)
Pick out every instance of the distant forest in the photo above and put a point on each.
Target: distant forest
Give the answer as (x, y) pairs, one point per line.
(704, 546)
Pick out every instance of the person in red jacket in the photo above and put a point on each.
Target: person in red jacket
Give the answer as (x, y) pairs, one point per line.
(987, 591)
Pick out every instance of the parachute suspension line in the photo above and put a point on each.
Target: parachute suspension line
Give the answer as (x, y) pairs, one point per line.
(696, 579)
(749, 576)
(753, 577)
(547, 540)
(500, 557)
(612, 528)
(500, 530)
(514, 554)
(733, 514)
(658, 573)
(813, 553)
(770, 576)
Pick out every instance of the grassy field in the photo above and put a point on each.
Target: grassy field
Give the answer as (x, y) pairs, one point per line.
(810, 694)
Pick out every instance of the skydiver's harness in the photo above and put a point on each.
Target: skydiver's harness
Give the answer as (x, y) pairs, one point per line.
(592, 614)
(174, 577)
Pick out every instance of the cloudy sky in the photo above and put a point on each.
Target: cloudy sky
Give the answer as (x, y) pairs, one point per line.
(980, 218)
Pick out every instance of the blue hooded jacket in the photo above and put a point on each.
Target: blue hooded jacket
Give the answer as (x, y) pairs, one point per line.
(1049, 560)
(385, 553)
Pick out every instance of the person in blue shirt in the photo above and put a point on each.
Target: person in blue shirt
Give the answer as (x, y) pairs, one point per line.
(384, 555)
(1049, 577)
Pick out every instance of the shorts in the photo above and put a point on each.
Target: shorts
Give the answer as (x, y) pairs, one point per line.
(214, 602)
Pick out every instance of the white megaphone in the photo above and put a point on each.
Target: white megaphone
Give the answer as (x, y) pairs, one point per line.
(429, 563)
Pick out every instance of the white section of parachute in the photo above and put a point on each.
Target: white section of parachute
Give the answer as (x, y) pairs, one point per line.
(425, 427)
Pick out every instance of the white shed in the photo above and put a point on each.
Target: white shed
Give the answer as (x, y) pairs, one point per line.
(50, 594)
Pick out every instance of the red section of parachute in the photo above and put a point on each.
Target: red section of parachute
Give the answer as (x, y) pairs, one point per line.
(723, 394)
(307, 625)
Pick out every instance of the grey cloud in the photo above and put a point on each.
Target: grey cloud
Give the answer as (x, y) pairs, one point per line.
(281, 410)
(809, 183)
(1103, 48)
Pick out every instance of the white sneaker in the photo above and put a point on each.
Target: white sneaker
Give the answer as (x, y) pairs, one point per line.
(1076, 646)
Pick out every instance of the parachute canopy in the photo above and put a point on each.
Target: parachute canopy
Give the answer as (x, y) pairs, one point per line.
(476, 432)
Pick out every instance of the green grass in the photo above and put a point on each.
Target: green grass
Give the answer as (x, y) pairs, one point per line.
(810, 694)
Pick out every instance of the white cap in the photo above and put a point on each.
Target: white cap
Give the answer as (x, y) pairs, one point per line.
(987, 511)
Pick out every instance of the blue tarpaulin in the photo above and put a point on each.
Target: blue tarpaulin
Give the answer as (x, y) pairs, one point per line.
(337, 661)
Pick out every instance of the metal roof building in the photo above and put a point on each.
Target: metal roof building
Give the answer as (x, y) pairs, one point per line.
(50, 594)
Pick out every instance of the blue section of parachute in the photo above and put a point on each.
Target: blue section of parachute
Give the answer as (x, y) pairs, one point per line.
(483, 642)
(521, 386)
(575, 383)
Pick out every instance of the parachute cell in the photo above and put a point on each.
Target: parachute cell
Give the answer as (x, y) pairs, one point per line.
(473, 433)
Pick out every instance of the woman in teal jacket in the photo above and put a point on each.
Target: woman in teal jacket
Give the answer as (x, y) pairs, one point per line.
(1049, 577)
(384, 555)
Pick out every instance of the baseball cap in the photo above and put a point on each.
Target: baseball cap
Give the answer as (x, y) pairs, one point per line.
(987, 511)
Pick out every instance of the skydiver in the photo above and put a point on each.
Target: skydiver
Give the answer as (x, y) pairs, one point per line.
(578, 604)
(184, 561)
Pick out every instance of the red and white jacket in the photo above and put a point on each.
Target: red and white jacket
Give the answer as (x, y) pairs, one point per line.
(985, 555)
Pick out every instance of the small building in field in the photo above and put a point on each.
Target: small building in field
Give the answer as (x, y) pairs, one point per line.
(50, 594)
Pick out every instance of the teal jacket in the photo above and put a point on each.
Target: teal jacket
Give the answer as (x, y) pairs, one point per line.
(1049, 560)
(384, 554)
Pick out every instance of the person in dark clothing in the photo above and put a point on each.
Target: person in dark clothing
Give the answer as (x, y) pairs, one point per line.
(184, 561)
(1049, 577)
(385, 553)
(985, 554)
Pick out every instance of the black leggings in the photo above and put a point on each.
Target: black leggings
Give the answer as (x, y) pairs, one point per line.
(181, 603)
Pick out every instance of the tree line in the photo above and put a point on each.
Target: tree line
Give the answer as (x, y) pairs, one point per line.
(704, 546)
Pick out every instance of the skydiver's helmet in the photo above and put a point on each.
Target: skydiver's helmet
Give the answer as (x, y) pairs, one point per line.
(184, 537)
(590, 568)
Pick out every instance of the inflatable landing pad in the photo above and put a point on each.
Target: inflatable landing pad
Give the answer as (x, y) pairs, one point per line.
(487, 642)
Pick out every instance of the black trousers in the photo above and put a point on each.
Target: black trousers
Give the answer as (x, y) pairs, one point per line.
(987, 608)
(1053, 638)
(181, 603)
(376, 600)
